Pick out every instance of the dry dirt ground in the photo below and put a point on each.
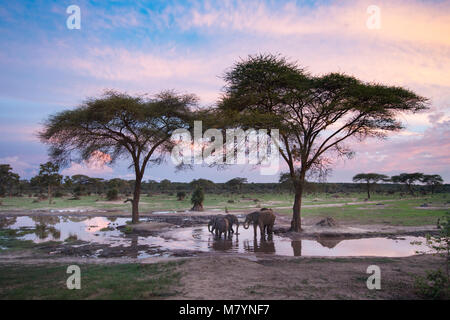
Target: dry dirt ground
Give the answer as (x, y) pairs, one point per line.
(260, 277)
(232, 277)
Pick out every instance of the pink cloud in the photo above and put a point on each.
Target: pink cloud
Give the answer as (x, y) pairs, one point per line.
(427, 152)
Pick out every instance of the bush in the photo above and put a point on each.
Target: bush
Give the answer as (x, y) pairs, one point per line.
(433, 286)
(59, 194)
(181, 195)
(112, 195)
(197, 199)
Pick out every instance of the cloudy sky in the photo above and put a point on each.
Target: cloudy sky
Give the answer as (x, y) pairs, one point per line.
(148, 46)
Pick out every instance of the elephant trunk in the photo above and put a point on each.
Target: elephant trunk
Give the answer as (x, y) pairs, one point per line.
(246, 225)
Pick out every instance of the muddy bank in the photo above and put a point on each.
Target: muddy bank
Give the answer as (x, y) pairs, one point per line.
(356, 232)
(222, 277)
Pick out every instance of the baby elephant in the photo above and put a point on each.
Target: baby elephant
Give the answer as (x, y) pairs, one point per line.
(232, 220)
(265, 219)
(219, 225)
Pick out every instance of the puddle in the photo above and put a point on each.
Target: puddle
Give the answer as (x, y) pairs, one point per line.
(103, 230)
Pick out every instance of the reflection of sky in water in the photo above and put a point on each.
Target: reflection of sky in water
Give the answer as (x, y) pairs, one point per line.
(198, 238)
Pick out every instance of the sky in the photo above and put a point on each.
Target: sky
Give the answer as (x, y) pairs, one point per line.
(148, 46)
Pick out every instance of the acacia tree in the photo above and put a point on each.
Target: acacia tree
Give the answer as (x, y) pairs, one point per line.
(370, 179)
(48, 176)
(236, 184)
(315, 115)
(8, 179)
(432, 181)
(120, 126)
(408, 179)
(204, 184)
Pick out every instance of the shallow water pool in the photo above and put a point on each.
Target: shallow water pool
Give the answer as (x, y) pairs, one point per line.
(103, 230)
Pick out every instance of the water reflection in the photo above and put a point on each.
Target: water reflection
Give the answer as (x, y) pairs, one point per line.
(43, 232)
(6, 222)
(102, 230)
(297, 247)
(329, 242)
(261, 245)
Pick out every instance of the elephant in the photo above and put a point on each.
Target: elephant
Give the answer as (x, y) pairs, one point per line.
(219, 225)
(233, 220)
(212, 222)
(265, 219)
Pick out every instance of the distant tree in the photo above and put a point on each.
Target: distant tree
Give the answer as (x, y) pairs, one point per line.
(80, 183)
(48, 176)
(315, 115)
(152, 184)
(181, 195)
(370, 180)
(235, 184)
(119, 125)
(408, 179)
(197, 199)
(165, 185)
(68, 183)
(205, 184)
(112, 194)
(287, 182)
(432, 181)
(121, 185)
(97, 184)
(8, 179)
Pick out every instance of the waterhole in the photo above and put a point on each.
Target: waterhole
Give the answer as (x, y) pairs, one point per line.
(104, 230)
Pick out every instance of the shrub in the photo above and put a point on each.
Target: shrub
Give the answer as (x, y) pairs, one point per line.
(181, 195)
(112, 194)
(58, 194)
(197, 199)
(433, 286)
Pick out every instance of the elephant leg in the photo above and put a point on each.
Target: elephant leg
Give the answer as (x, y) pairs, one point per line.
(261, 228)
(255, 226)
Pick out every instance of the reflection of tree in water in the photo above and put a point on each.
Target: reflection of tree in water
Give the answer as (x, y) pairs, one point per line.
(43, 231)
(46, 219)
(328, 242)
(297, 246)
(134, 251)
(7, 221)
(265, 246)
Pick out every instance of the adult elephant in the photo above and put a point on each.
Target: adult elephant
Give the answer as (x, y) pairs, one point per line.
(265, 219)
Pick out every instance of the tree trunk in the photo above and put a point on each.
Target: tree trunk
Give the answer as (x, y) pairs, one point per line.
(368, 191)
(136, 197)
(296, 223)
(411, 190)
(49, 194)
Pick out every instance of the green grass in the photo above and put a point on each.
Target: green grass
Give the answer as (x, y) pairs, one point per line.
(121, 281)
(397, 211)
(9, 240)
(403, 212)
